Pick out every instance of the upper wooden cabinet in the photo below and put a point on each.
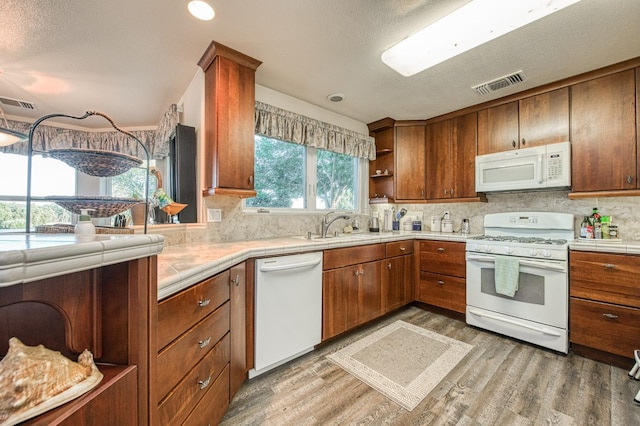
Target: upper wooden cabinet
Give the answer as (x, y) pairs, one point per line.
(533, 121)
(603, 133)
(451, 152)
(229, 123)
(410, 177)
(381, 185)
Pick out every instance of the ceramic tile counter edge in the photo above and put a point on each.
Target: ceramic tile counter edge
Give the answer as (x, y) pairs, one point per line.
(181, 266)
(31, 257)
(606, 246)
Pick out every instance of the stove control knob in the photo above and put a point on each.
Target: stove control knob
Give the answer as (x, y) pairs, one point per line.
(533, 252)
(508, 250)
(546, 253)
(488, 249)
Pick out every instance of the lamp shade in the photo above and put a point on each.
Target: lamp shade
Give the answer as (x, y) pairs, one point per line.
(9, 137)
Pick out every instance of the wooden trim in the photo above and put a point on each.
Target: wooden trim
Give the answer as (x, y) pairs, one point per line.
(605, 357)
(580, 78)
(384, 123)
(217, 49)
(407, 123)
(602, 194)
(480, 198)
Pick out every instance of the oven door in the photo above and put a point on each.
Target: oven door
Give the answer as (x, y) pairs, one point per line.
(538, 312)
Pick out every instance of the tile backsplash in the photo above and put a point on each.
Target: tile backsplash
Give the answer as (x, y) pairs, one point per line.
(237, 225)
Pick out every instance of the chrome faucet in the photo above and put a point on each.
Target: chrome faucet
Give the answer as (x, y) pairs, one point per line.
(326, 223)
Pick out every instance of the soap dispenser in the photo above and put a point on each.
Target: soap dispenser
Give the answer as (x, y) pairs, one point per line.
(84, 225)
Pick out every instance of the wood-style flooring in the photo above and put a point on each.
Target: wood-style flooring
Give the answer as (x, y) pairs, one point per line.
(500, 382)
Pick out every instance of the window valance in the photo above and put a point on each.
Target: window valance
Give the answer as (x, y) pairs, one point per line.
(291, 127)
(48, 137)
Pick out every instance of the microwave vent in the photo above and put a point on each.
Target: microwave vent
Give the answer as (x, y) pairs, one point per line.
(499, 83)
(17, 103)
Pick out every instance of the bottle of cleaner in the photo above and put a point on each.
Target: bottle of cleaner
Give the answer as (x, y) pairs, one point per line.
(84, 225)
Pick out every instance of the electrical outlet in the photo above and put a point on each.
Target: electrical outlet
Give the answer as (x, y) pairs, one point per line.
(214, 215)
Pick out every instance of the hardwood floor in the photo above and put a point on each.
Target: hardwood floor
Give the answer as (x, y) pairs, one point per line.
(500, 382)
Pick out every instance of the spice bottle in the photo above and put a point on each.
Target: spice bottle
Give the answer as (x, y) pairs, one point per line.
(583, 227)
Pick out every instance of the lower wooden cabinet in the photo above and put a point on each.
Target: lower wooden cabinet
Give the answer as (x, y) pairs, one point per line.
(398, 275)
(443, 291)
(604, 303)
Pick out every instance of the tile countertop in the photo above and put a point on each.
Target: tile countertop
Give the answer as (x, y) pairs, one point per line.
(183, 265)
(30, 257)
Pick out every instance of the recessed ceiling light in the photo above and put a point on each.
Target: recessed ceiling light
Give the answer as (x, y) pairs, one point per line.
(475, 23)
(335, 97)
(201, 10)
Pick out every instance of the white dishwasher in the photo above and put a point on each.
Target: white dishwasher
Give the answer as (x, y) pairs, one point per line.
(288, 309)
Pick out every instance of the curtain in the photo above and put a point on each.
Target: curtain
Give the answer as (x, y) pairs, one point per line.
(287, 126)
(47, 138)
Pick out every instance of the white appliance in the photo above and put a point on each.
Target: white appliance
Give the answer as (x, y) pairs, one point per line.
(538, 243)
(288, 309)
(540, 167)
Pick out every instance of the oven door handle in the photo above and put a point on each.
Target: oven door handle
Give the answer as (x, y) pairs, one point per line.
(516, 323)
(523, 262)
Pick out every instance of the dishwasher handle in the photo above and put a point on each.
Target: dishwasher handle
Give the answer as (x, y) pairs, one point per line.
(290, 266)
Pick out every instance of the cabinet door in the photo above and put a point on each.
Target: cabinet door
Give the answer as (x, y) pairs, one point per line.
(438, 160)
(544, 118)
(498, 128)
(238, 350)
(463, 156)
(397, 283)
(410, 162)
(603, 133)
(335, 285)
(369, 296)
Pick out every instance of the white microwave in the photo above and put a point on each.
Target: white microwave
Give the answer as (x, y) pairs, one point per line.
(539, 167)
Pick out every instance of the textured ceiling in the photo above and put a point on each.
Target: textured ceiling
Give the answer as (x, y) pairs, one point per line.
(132, 58)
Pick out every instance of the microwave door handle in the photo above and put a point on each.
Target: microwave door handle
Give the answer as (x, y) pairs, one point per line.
(541, 178)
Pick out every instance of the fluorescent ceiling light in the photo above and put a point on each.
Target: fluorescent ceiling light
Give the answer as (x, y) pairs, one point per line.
(201, 10)
(475, 23)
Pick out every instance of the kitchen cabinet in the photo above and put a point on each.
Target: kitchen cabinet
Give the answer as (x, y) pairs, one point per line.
(410, 165)
(604, 303)
(229, 121)
(451, 152)
(603, 133)
(398, 273)
(536, 120)
(400, 151)
(381, 185)
(442, 275)
(237, 327)
(351, 287)
(91, 310)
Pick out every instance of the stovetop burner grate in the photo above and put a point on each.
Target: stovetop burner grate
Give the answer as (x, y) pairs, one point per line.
(522, 240)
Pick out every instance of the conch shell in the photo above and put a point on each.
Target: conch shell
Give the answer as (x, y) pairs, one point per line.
(34, 379)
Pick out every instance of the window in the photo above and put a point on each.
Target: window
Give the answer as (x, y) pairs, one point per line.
(297, 177)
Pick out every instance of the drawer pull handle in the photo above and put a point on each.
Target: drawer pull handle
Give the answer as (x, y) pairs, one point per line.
(440, 249)
(610, 265)
(204, 383)
(203, 303)
(205, 342)
(389, 266)
(440, 282)
(402, 248)
(610, 316)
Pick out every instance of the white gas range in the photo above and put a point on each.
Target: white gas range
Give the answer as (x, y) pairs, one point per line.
(517, 277)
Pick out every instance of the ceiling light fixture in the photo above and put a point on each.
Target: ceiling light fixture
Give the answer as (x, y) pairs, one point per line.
(335, 97)
(475, 23)
(8, 136)
(201, 10)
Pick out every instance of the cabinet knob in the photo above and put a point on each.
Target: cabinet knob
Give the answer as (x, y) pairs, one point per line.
(609, 265)
(629, 179)
(236, 280)
(445, 192)
(204, 302)
(250, 180)
(204, 383)
(205, 342)
(513, 144)
(451, 192)
(403, 248)
(440, 249)
(524, 142)
(356, 273)
(440, 282)
(422, 192)
(389, 266)
(610, 316)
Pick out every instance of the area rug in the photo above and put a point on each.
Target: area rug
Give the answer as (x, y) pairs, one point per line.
(402, 361)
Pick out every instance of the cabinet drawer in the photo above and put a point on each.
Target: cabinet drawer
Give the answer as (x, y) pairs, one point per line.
(181, 311)
(399, 248)
(604, 277)
(337, 258)
(442, 291)
(179, 357)
(213, 404)
(177, 405)
(610, 328)
(443, 257)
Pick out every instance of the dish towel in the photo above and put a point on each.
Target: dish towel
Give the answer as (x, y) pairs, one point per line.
(507, 271)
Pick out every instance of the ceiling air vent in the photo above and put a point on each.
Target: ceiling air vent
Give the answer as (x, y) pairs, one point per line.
(499, 83)
(17, 103)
